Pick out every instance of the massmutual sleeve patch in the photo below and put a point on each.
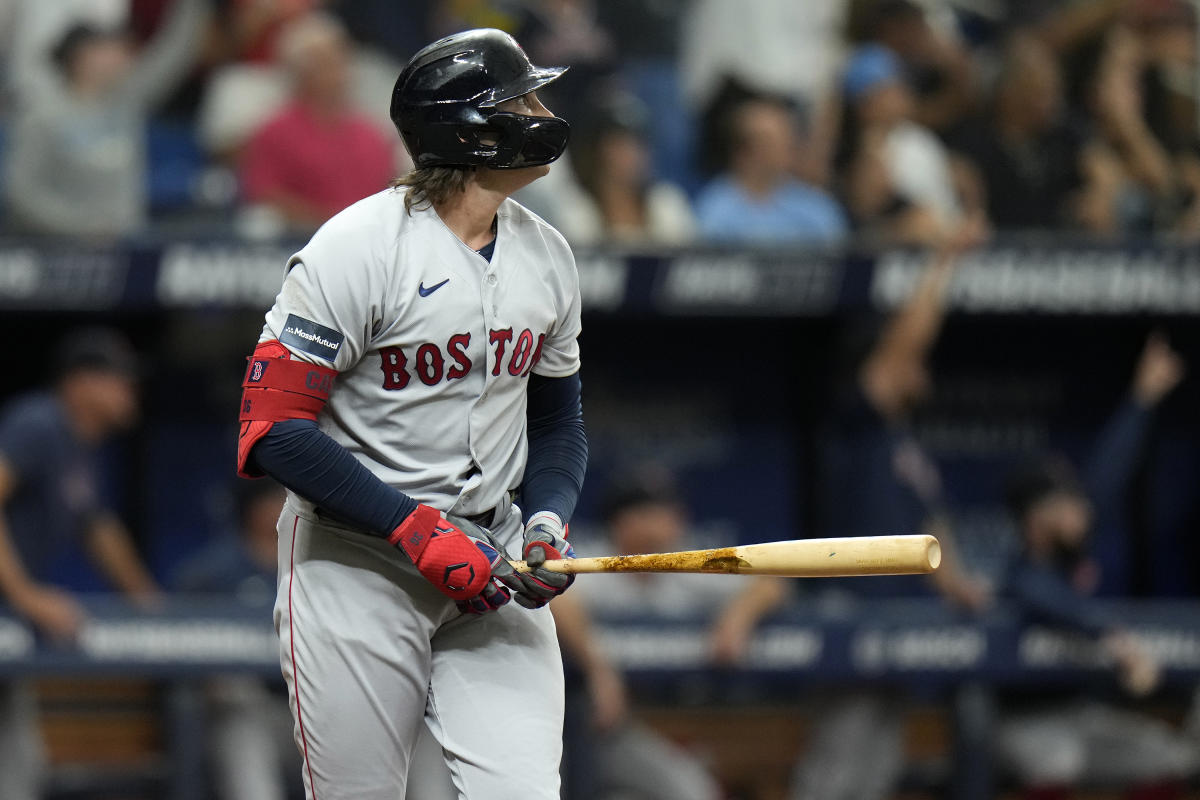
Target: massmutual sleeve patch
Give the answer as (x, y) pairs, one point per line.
(314, 339)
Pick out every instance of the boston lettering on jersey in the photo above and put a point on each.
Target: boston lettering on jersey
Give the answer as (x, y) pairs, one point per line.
(429, 363)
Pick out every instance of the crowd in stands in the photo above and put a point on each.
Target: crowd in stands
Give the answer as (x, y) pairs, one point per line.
(762, 122)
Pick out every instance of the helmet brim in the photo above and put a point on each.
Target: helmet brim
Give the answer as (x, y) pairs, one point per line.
(530, 82)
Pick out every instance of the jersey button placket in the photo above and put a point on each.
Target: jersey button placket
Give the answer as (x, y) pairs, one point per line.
(489, 303)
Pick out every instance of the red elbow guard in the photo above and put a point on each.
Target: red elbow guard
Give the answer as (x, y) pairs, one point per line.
(277, 388)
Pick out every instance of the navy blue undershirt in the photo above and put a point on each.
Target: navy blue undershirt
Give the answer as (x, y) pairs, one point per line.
(488, 249)
(306, 460)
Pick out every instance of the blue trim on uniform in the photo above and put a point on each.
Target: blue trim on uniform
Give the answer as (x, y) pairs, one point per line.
(303, 458)
(488, 249)
(558, 446)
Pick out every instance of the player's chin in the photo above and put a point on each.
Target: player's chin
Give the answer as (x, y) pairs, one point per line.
(533, 173)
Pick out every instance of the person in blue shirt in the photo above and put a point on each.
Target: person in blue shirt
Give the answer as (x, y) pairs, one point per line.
(760, 200)
(50, 505)
(1051, 744)
(878, 481)
(240, 564)
(249, 724)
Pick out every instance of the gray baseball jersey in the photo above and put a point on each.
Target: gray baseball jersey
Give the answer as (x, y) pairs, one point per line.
(434, 346)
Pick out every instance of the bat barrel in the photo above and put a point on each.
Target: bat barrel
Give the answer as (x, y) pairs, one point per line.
(844, 557)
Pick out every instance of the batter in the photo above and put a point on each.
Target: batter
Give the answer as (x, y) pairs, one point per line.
(418, 373)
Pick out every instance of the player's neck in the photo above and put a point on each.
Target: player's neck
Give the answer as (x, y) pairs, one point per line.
(471, 215)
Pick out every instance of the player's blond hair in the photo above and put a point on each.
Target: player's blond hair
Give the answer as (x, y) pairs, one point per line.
(433, 186)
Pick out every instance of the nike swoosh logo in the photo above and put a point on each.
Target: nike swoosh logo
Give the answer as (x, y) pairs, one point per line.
(421, 290)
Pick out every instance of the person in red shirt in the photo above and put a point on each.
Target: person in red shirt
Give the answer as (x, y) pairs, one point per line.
(316, 155)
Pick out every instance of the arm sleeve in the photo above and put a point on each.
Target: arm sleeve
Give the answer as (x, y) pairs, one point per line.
(558, 447)
(304, 459)
(1114, 458)
(167, 58)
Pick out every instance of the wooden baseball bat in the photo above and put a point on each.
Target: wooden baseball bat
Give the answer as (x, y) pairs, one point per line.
(795, 558)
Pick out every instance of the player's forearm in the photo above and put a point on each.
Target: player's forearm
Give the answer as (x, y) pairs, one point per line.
(306, 460)
(112, 549)
(915, 327)
(171, 53)
(575, 632)
(761, 596)
(1109, 469)
(558, 447)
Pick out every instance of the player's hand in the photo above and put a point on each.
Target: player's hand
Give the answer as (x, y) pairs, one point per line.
(458, 565)
(55, 612)
(546, 540)
(525, 586)
(1159, 370)
(1137, 669)
(509, 580)
(968, 592)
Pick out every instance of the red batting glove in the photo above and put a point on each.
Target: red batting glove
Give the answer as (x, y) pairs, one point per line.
(449, 559)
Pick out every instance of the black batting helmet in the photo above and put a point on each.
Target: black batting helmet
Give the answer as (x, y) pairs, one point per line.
(444, 104)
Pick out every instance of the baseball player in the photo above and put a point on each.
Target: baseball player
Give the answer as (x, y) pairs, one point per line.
(418, 371)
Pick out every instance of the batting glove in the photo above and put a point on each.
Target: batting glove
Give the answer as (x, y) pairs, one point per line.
(459, 565)
(546, 540)
(526, 590)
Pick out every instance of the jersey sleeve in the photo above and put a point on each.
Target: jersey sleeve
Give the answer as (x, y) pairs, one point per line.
(329, 305)
(560, 353)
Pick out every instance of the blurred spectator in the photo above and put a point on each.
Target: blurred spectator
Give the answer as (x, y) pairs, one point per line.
(648, 38)
(1039, 168)
(879, 480)
(397, 27)
(780, 47)
(607, 753)
(936, 64)
(1065, 25)
(900, 181)
(452, 16)
(241, 96)
(35, 27)
(317, 155)
(77, 160)
(622, 204)
(1154, 196)
(50, 502)
(567, 33)
(759, 201)
(254, 27)
(872, 452)
(1060, 741)
(250, 727)
(1167, 32)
